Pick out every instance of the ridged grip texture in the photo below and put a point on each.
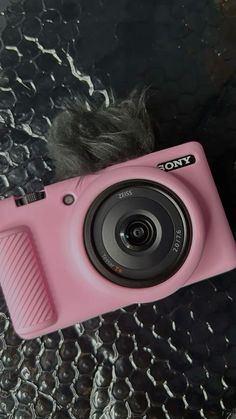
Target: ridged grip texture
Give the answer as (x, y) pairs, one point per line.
(23, 283)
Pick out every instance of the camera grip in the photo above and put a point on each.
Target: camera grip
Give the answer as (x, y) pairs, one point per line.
(23, 283)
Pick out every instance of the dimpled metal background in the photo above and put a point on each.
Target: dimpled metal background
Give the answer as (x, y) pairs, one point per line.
(175, 358)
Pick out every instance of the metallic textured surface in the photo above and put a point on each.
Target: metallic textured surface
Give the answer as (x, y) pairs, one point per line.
(171, 359)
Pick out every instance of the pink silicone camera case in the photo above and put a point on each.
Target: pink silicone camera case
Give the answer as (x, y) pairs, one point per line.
(46, 276)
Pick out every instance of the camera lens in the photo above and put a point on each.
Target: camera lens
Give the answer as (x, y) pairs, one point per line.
(137, 234)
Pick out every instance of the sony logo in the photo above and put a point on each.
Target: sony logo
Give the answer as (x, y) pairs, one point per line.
(167, 166)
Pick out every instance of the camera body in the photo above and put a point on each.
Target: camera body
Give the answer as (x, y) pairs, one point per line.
(68, 253)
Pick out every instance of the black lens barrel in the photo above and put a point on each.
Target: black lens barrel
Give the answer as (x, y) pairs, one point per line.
(137, 234)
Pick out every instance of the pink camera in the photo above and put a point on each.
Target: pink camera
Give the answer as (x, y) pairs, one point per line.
(134, 232)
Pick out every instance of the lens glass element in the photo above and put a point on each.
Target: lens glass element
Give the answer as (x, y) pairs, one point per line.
(137, 233)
